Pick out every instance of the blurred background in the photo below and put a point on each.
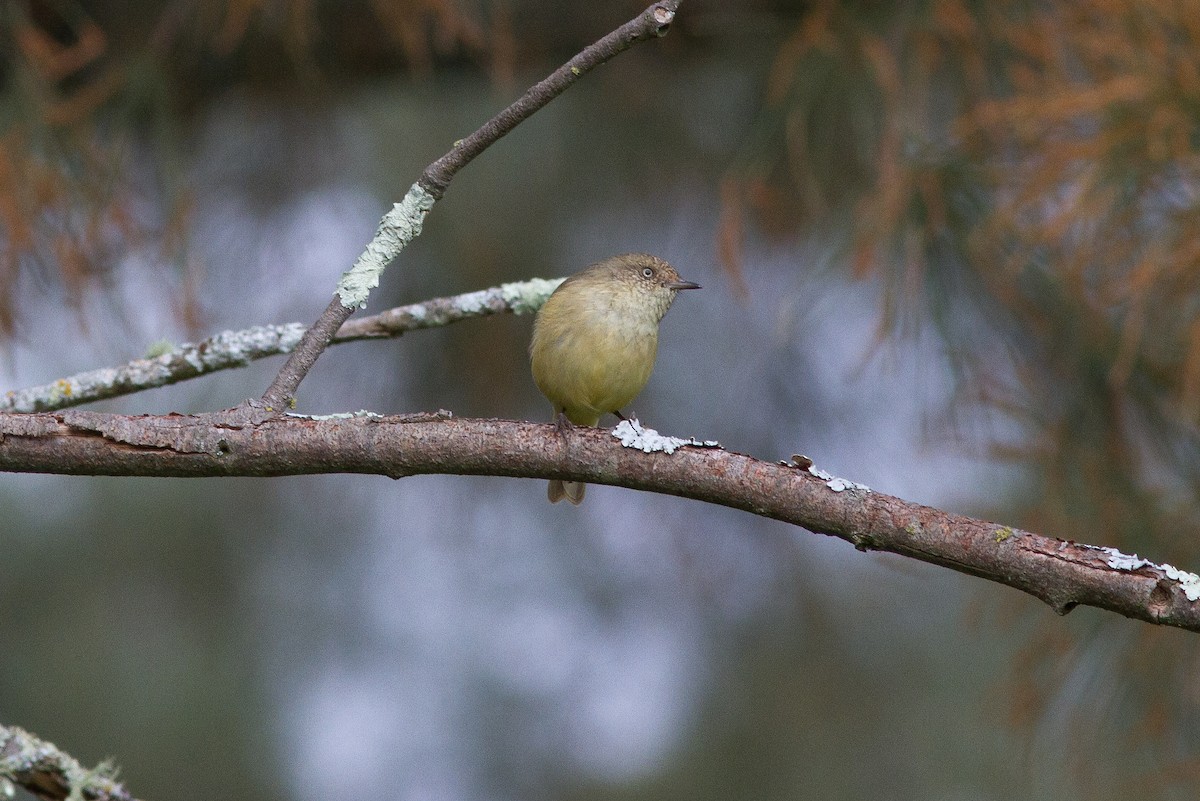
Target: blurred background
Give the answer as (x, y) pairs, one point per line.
(949, 249)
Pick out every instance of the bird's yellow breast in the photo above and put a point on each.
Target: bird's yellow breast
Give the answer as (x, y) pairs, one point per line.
(590, 355)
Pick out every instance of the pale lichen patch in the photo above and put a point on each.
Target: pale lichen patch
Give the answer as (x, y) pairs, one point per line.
(634, 435)
(838, 484)
(338, 415)
(473, 302)
(524, 297)
(398, 227)
(1188, 582)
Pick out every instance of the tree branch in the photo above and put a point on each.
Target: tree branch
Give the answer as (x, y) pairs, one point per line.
(651, 23)
(230, 349)
(43, 770)
(1063, 574)
(403, 223)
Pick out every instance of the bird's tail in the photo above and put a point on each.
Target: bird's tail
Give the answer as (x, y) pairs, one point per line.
(571, 490)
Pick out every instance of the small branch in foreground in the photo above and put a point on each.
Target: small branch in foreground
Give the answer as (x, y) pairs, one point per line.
(1062, 574)
(43, 770)
(403, 223)
(230, 349)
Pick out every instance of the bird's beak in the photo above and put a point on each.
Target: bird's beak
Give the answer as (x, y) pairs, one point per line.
(677, 285)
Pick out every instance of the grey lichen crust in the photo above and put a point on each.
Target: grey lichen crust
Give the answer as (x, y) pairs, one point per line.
(526, 297)
(228, 349)
(398, 227)
(39, 765)
(634, 435)
(838, 484)
(1188, 582)
(219, 352)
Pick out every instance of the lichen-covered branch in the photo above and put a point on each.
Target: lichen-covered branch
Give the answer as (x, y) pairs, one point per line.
(230, 349)
(403, 223)
(1063, 574)
(45, 771)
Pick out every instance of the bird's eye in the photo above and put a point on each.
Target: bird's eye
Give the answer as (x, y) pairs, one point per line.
(647, 272)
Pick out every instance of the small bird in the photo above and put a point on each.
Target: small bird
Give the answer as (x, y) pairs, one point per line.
(595, 339)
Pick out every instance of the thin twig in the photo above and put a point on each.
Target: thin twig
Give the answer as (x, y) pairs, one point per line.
(652, 22)
(403, 223)
(230, 349)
